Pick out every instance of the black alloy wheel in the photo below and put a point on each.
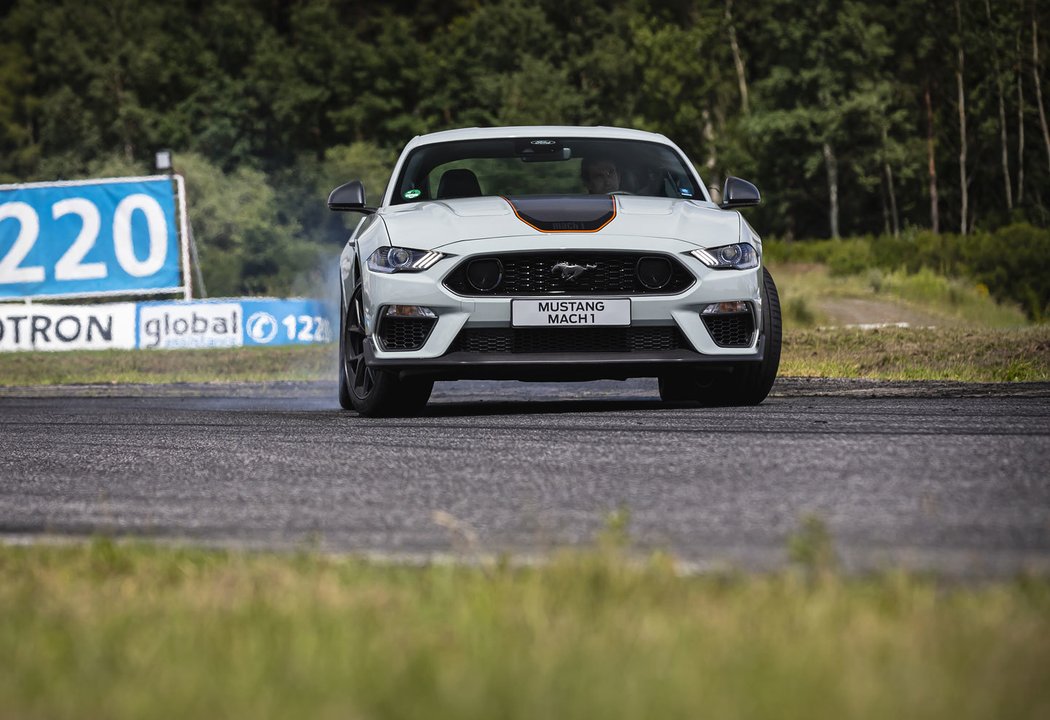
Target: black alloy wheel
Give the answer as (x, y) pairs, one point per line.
(747, 383)
(344, 386)
(361, 379)
(372, 392)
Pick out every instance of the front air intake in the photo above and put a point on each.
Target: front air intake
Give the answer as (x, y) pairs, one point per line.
(404, 333)
(561, 340)
(731, 330)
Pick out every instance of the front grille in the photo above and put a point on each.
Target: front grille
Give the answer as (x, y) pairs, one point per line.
(532, 273)
(731, 330)
(565, 340)
(404, 333)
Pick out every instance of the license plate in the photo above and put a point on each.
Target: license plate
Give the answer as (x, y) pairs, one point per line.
(570, 312)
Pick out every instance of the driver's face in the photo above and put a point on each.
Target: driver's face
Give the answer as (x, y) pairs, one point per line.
(602, 177)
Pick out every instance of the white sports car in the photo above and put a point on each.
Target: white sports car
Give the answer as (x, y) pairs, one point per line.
(552, 253)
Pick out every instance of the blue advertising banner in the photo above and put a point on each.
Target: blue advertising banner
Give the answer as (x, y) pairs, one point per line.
(165, 325)
(90, 238)
(286, 322)
(232, 322)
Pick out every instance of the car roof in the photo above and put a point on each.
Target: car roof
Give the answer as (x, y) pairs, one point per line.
(595, 131)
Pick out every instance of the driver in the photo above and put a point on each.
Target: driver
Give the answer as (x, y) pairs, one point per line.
(600, 175)
(645, 180)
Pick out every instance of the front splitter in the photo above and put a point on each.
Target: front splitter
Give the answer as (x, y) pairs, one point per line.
(555, 366)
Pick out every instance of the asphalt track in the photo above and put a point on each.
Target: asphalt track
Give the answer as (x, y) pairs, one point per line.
(950, 478)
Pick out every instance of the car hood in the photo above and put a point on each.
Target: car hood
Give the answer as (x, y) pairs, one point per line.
(439, 224)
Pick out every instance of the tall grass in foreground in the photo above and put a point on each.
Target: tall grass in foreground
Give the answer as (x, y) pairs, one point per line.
(138, 631)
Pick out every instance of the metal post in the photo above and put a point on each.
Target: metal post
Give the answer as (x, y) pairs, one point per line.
(203, 291)
(184, 223)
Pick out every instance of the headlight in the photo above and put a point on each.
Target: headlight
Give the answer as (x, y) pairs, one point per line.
(740, 256)
(396, 259)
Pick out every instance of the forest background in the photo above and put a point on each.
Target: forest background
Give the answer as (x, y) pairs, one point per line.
(920, 123)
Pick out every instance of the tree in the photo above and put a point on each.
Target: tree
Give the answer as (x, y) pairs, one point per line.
(808, 102)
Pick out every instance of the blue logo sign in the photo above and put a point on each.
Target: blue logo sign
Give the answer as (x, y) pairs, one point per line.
(285, 322)
(261, 327)
(89, 238)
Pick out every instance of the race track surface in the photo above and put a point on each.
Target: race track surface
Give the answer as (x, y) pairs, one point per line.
(936, 476)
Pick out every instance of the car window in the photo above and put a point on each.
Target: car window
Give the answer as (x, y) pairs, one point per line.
(543, 166)
(510, 176)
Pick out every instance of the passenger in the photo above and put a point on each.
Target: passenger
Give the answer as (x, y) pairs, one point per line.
(644, 180)
(600, 175)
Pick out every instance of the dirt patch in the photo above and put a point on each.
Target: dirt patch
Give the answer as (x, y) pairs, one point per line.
(843, 312)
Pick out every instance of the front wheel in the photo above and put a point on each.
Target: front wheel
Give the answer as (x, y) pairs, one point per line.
(747, 383)
(370, 391)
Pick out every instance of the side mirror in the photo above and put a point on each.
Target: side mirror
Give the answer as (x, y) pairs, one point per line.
(349, 198)
(739, 193)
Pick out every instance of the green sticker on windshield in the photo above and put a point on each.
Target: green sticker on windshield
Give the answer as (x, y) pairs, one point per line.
(413, 193)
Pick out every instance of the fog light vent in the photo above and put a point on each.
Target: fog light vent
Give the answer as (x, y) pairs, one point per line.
(730, 324)
(405, 327)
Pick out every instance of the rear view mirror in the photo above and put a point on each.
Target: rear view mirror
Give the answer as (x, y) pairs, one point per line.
(541, 150)
(349, 198)
(739, 193)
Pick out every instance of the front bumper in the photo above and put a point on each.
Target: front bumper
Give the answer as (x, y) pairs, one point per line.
(455, 313)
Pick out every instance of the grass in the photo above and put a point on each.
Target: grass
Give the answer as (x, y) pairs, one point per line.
(809, 293)
(133, 631)
(958, 333)
(961, 354)
(948, 353)
(315, 362)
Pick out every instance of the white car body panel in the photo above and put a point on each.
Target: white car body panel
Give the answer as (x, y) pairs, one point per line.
(438, 224)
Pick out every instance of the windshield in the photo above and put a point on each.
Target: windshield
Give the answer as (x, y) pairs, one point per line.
(543, 166)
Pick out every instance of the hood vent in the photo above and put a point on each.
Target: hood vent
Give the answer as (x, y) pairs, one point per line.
(564, 213)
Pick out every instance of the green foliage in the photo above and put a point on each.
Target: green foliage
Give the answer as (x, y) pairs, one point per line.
(849, 257)
(305, 186)
(1012, 263)
(245, 246)
(310, 93)
(798, 312)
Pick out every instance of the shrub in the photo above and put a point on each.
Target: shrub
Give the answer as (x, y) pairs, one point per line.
(1012, 263)
(799, 312)
(850, 257)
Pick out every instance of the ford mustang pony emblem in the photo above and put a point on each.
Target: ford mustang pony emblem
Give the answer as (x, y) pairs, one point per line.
(571, 271)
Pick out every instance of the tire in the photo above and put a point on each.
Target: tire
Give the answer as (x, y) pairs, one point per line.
(747, 383)
(370, 391)
(344, 387)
